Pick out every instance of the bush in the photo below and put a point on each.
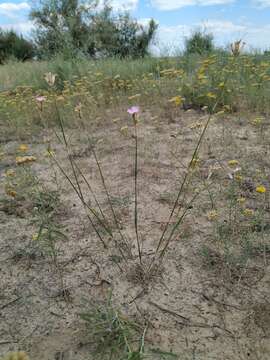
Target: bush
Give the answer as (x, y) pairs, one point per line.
(14, 46)
(199, 43)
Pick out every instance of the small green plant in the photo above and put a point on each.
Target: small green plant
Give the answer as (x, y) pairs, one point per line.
(115, 337)
(49, 231)
(112, 335)
(27, 195)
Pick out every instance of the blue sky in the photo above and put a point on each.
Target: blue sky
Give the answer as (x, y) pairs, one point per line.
(228, 20)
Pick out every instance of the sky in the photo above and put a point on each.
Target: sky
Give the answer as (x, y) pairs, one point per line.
(228, 20)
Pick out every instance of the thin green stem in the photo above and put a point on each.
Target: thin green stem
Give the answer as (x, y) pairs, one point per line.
(91, 191)
(177, 224)
(195, 152)
(82, 200)
(108, 195)
(136, 190)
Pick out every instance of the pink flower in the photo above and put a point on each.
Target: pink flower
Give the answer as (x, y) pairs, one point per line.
(133, 110)
(40, 98)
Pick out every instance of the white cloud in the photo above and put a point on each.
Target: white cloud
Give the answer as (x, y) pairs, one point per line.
(177, 4)
(258, 37)
(11, 10)
(14, 7)
(222, 27)
(20, 27)
(261, 3)
(171, 39)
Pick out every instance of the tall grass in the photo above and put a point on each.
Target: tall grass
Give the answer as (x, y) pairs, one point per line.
(15, 74)
(106, 84)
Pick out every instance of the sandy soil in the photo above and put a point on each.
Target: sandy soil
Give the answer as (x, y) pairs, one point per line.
(196, 307)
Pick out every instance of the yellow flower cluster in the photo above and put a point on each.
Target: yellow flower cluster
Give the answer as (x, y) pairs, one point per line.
(23, 148)
(261, 189)
(248, 212)
(233, 162)
(25, 159)
(212, 215)
(18, 355)
(177, 100)
(11, 192)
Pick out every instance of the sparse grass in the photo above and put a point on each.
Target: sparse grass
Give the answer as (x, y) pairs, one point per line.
(112, 335)
(214, 157)
(238, 210)
(27, 196)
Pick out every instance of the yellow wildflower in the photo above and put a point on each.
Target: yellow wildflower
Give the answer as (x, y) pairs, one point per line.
(241, 200)
(10, 173)
(24, 159)
(194, 163)
(227, 108)
(35, 237)
(261, 189)
(238, 177)
(124, 130)
(196, 125)
(23, 148)
(248, 212)
(201, 76)
(211, 95)
(233, 162)
(11, 192)
(257, 121)
(221, 112)
(18, 355)
(177, 100)
(212, 215)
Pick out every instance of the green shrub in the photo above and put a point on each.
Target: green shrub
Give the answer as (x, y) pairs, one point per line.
(14, 46)
(199, 43)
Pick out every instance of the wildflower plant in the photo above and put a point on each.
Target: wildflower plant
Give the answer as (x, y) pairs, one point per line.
(96, 214)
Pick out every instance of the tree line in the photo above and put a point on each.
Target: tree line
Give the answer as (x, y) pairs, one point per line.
(76, 28)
